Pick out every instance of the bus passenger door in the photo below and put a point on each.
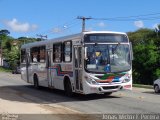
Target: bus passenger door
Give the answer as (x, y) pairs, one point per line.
(27, 66)
(48, 67)
(78, 68)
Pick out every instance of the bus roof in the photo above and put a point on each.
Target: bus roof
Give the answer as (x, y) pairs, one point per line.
(113, 32)
(68, 37)
(60, 39)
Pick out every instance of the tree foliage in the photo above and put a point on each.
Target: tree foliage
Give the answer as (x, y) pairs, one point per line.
(11, 47)
(4, 32)
(146, 66)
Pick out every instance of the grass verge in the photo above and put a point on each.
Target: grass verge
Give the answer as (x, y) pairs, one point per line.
(143, 86)
(2, 69)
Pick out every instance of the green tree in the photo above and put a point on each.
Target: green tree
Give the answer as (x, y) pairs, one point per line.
(4, 32)
(146, 56)
(25, 40)
(3, 36)
(14, 56)
(11, 47)
(4, 42)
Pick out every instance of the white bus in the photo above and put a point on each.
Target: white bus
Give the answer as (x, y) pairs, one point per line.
(86, 63)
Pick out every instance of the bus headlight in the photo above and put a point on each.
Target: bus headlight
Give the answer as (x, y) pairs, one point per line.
(127, 79)
(90, 80)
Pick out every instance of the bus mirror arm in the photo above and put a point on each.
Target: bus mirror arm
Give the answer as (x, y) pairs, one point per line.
(85, 53)
(131, 51)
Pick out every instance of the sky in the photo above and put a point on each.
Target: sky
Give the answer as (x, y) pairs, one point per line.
(55, 18)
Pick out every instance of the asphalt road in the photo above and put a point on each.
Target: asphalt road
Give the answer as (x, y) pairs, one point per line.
(141, 101)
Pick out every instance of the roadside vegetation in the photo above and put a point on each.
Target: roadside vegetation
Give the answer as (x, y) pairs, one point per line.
(143, 86)
(2, 69)
(10, 47)
(146, 52)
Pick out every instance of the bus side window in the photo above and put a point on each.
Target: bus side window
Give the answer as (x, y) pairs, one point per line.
(42, 52)
(67, 51)
(34, 54)
(38, 54)
(34, 58)
(57, 52)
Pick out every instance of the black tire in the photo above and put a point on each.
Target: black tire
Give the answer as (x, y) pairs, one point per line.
(107, 93)
(68, 88)
(36, 83)
(156, 89)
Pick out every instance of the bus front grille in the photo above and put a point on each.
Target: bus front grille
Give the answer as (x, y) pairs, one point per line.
(110, 87)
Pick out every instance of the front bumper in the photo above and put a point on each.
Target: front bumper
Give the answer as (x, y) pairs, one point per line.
(90, 89)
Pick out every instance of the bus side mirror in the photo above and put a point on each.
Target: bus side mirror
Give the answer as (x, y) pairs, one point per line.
(131, 51)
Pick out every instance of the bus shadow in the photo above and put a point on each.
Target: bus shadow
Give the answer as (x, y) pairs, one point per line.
(27, 93)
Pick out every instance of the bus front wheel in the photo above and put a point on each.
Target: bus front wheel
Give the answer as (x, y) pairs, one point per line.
(68, 88)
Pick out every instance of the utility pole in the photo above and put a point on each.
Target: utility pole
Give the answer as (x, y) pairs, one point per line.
(83, 21)
(42, 36)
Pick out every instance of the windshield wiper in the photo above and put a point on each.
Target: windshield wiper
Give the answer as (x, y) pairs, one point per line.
(115, 49)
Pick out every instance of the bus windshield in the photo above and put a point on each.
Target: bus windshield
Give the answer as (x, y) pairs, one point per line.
(102, 58)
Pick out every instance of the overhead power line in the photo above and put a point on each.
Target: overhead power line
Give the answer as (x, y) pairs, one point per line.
(68, 25)
(152, 16)
(131, 19)
(61, 28)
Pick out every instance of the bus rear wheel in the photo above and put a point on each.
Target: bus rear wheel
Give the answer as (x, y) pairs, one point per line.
(68, 88)
(36, 84)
